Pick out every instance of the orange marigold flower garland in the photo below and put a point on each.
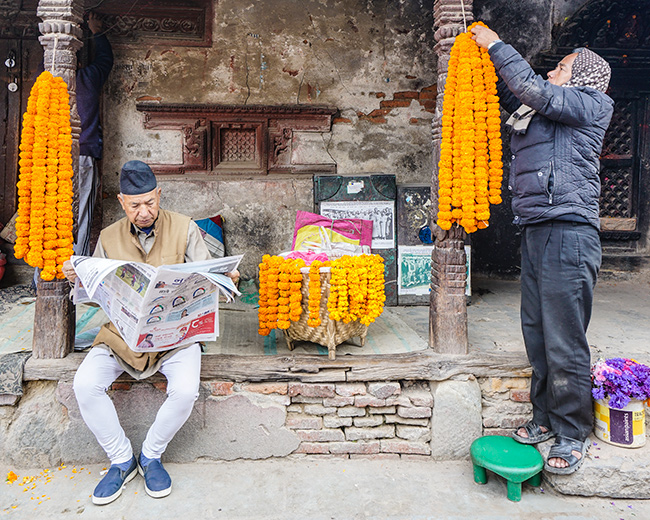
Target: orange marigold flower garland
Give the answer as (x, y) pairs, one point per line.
(470, 168)
(44, 222)
(269, 293)
(280, 300)
(375, 296)
(315, 289)
(356, 291)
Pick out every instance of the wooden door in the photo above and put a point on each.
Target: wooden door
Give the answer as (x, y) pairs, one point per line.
(19, 61)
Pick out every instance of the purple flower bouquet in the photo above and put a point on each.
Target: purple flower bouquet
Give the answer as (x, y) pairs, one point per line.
(620, 380)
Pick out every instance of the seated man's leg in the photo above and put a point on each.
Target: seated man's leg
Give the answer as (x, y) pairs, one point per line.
(183, 371)
(98, 370)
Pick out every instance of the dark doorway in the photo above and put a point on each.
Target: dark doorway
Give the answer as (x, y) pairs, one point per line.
(19, 61)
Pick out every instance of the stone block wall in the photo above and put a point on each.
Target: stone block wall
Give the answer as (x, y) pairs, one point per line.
(349, 419)
(506, 403)
(246, 420)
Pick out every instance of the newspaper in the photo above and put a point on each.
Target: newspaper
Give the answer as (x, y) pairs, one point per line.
(157, 308)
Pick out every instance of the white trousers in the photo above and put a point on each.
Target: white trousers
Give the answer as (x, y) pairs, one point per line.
(98, 371)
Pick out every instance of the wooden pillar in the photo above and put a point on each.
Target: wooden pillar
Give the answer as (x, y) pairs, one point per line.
(448, 309)
(54, 320)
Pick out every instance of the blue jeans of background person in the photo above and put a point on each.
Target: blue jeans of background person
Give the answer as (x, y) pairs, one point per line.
(560, 261)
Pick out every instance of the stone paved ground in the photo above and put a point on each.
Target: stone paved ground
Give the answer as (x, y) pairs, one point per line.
(307, 488)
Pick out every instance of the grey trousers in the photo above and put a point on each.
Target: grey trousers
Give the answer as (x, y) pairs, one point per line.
(559, 267)
(88, 184)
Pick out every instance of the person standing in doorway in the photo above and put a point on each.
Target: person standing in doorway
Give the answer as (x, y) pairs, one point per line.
(558, 126)
(90, 81)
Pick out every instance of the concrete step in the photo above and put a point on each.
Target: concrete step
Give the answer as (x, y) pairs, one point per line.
(608, 471)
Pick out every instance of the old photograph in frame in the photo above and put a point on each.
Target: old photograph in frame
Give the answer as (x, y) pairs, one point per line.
(382, 214)
(414, 270)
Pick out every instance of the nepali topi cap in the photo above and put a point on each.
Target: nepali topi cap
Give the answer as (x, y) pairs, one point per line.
(136, 178)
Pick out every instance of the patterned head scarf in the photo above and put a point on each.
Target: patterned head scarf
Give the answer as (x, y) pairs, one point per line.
(589, 70)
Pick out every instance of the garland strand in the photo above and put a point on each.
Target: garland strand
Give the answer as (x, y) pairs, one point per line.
(45, 219)
(470, 168)
(356, 291)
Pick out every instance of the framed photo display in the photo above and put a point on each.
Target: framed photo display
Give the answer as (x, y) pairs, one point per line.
(382, 214)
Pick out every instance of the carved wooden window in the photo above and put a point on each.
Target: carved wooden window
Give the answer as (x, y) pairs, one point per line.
(238, 139)
(235, 147)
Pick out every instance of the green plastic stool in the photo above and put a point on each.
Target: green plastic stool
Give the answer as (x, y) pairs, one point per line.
(511, 460)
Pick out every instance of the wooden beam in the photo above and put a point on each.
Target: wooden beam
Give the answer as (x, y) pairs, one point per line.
(415, 366)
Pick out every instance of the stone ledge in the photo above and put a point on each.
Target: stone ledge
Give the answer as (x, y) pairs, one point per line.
(423, 366)
(608, 471)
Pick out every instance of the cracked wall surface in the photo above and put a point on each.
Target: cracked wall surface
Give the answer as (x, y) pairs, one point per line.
(371, 59)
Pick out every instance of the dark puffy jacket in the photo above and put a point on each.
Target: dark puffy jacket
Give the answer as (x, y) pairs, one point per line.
(90, 80)
(555, 165)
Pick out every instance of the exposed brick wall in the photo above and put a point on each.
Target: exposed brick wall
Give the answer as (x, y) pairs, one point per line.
(349, 419)
(506, 403)
(426, 97)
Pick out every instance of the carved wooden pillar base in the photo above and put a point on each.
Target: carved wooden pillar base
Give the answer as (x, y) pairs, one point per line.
(54, 320)
(448, 311)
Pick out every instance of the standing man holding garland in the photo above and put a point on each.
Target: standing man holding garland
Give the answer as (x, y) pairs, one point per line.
(558, 126)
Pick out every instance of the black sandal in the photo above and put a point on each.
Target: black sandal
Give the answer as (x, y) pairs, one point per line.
(562, 449)
(534, 432)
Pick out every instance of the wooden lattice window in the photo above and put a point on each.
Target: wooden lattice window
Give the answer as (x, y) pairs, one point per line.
(239, 139)
(617, 175)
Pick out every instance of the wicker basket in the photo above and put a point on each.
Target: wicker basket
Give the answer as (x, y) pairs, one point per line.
(329, 333)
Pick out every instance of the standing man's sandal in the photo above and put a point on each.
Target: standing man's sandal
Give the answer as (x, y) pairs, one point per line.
(562, 449)
(157, 482)
(534, 432)
(111, 486)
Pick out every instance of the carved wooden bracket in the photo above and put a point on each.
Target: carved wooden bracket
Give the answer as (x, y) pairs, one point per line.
(165, 22)
(18, 19)
(238, 139)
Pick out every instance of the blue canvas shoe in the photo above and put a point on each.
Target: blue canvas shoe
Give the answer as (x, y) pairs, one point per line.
(157, 482)
(111, 486)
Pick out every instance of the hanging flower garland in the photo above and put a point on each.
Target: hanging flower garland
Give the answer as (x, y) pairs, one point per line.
(356, 291)
(269, 293)
(314, 293)
(470, 168)
(45, 219)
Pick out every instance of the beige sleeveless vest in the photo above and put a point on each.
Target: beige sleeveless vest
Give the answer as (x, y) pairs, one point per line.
(169, 248)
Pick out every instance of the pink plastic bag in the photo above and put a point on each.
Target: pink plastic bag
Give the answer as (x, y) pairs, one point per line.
(315, 232)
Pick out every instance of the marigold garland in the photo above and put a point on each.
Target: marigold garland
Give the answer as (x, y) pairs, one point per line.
(45, 219)
(470, 168)
(315, 289)
(356, 291)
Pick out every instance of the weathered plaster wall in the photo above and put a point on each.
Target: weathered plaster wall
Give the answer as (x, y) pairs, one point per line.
(372, 59)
